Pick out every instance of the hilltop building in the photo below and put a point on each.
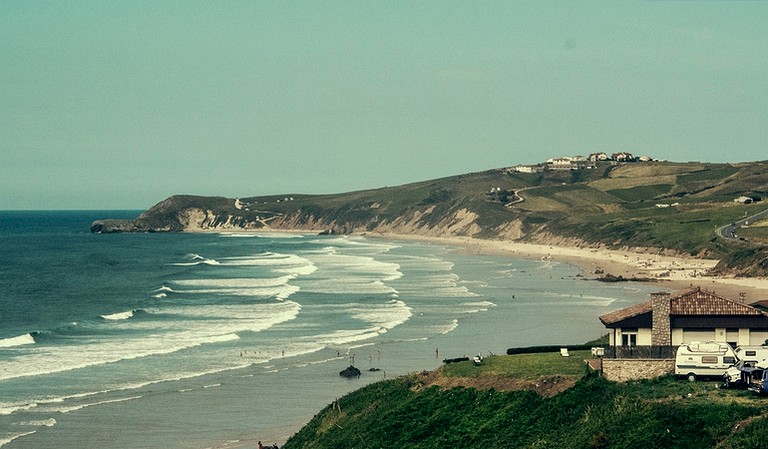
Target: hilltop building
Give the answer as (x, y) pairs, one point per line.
(524, 169)
(598, 157)
(622, 157)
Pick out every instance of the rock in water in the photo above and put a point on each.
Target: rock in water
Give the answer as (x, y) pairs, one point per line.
(350, 371)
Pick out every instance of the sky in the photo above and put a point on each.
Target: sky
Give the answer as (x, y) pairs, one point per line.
(119, 104)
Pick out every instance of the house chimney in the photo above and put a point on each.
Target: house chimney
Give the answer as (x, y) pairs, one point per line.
(661, 332)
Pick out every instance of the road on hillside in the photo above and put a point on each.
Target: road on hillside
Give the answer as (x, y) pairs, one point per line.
(729, 231)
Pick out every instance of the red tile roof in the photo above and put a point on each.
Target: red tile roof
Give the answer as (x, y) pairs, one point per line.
(626, 312)
(694, 301)
(702, 302)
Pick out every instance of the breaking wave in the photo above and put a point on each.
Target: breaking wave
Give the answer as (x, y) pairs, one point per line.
(21, 340)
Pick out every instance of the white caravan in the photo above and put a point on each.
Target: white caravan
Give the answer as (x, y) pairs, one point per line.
(704, 359)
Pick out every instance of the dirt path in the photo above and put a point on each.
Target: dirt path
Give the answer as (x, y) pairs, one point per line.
(545, 386)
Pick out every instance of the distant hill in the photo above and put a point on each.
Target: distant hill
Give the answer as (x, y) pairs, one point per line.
(649, 206)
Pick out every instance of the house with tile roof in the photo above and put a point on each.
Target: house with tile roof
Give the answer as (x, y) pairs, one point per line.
(668, 320)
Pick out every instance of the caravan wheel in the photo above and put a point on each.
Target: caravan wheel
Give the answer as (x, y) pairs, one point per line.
(691, 377)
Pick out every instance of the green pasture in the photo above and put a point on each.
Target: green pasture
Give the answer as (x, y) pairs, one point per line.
(522, 366)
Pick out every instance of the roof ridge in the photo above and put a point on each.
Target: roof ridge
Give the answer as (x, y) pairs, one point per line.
(689, 302)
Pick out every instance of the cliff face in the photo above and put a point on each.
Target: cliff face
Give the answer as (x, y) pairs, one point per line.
(165, 218)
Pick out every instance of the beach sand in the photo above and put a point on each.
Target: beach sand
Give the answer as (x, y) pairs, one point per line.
(670, 272)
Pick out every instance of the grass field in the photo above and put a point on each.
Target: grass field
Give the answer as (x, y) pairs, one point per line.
(525, 366)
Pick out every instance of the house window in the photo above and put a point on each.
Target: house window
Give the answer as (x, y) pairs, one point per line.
(628, 339)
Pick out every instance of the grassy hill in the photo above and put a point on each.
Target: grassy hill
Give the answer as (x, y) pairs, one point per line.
(658, 206)
(415, 411)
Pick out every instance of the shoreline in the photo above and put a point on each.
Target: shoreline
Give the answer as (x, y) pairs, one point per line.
(673, 272)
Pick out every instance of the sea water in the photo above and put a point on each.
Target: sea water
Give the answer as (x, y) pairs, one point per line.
(218, 340)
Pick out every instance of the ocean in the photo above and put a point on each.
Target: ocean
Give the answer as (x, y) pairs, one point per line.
(217, 340)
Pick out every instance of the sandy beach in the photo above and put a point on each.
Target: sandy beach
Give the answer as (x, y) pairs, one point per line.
(671, 272)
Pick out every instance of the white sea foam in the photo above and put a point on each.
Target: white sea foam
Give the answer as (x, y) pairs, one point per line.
(548, 265)
(446, 328)
(75, 408)
(570, 299)
(348, 285)
(118, 316)
(7, 440)
(212, 262)
(279, 235)
(435, 278)
(8, 408)
(50, 422)
(58, 404)
(350, 274)
(346, 336)
(480, 306)
(266, 259)
(357, 243)
(196, 259)
(360, 265)
(387, 316)
(280, 292)
(21, 340)
(235, 282)
(289, 264)
(194, 326)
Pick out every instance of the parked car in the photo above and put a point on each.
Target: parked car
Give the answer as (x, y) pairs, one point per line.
(704, 359)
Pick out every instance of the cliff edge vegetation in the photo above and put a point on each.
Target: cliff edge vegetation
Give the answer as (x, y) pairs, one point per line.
(659, 207)
(484, 407)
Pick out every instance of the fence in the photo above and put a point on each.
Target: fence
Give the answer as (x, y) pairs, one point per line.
(640, 352)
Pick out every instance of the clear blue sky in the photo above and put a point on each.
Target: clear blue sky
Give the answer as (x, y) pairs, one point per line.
(120, 104)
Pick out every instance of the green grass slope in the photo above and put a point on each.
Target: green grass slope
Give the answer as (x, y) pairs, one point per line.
(594, 413)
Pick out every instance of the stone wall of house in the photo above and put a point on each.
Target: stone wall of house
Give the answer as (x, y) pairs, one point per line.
(661, 334)
(621, 370)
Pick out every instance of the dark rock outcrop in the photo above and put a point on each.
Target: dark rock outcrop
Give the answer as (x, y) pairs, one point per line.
(114, 226)
(350, 372)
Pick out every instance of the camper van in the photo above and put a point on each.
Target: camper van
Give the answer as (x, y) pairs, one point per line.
(704, 359)
(748, 356)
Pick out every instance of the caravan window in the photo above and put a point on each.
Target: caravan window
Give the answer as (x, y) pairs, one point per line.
(729, 360)
(750, 353)
(709, 359)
